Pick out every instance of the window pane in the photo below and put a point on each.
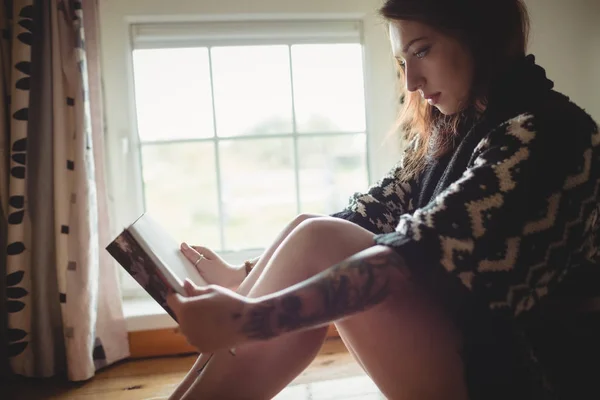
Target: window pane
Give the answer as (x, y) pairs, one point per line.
(331, 170)
(252, 90)
(259, 192)
(328, 87)
(172, 94)
(181, 190)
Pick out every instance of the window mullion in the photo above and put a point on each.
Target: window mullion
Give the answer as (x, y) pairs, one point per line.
(217, 154)
(295, 135)
(140, 163)
(254, 137)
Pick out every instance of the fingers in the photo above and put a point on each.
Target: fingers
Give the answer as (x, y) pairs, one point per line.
(193, 252)
(175, 301)
(192, 290)
(208, 253)
(190, 253)
(188, 287)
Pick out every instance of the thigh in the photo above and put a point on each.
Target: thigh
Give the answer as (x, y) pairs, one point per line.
(406, 344)
(315, 245)
(249, 282)
(408, 347)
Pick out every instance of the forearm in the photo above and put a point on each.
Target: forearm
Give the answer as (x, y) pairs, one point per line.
(356, 284)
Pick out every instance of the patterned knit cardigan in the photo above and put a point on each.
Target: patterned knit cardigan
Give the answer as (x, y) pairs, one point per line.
(511, 213)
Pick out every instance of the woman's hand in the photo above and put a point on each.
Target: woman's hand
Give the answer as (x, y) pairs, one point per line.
(213, 268)
(209, 317)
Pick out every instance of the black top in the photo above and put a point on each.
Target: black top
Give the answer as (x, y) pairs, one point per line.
(495, 227)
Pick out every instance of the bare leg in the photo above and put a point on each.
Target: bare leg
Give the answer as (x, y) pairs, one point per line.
(262, 369)
(244, 289)
(406, 345)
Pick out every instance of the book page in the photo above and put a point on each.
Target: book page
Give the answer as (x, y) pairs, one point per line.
(164, 250)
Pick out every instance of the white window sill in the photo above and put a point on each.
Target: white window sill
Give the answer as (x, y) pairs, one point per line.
(144, 314)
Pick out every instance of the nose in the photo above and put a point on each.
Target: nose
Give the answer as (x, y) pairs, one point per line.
(414, 78)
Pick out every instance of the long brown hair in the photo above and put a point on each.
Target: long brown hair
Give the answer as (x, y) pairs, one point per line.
(494, 31)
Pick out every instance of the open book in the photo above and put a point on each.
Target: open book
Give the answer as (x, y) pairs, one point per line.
(152, 257)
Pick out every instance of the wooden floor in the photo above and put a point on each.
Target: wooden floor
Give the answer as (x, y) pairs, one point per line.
(333, 375)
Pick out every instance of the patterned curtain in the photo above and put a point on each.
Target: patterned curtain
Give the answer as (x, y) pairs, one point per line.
(59, 301)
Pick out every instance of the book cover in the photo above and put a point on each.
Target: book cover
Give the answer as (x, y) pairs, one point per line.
(152, 257)
(138, 263)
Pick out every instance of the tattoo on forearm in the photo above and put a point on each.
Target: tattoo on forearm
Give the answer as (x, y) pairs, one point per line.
(346, 288)
(258, 324)
(291, 309)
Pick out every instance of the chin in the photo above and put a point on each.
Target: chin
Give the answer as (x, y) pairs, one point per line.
(443, 109)
(446, 110)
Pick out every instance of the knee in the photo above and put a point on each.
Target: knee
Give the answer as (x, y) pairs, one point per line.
(315, 240)
(304, 217)
(329, 239)
(317, 228)
(326, 240)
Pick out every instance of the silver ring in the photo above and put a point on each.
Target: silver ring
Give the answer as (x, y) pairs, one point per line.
(199, 259)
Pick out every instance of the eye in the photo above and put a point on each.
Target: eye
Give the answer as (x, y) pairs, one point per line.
(401, 63)
(422, 53)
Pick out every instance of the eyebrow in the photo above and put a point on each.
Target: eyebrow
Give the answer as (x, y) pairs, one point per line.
(405, 49)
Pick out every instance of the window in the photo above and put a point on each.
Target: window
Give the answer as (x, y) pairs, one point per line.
(242, 126)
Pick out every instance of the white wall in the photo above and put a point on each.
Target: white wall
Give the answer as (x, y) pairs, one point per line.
(565, 38)
(594, 66)
(595, 74)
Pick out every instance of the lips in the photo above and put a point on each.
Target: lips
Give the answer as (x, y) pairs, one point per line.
(432, 98)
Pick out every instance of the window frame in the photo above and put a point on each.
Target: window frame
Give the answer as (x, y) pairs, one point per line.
(258, 33)
(123, 164)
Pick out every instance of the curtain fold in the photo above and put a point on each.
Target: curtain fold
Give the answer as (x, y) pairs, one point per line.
(47, 344)
(5, 11)
(61, 304)
(110, 323)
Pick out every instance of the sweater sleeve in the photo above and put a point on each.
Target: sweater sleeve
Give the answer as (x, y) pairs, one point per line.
(379, 209)
(510, 227)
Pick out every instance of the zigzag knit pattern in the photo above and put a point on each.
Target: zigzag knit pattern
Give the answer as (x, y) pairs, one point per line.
(524, 213)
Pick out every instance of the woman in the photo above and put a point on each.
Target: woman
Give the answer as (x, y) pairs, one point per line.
(443, 280)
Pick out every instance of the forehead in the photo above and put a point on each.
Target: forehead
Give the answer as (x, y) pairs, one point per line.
(403, 32)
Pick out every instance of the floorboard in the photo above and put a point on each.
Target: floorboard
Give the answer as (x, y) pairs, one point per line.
(332, 375)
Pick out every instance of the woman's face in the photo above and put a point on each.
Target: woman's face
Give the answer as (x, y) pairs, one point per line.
(436, 65)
